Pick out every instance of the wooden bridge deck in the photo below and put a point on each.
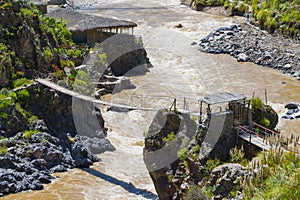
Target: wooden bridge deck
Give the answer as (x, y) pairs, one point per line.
(83, 97)
(255, 140)
(253, 137)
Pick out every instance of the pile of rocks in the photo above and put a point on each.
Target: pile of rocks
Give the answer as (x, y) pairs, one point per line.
(292, 111)
(28, 163)
(253, 45)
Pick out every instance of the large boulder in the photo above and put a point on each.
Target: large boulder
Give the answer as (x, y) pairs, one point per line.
(266, 111)
(224, 178)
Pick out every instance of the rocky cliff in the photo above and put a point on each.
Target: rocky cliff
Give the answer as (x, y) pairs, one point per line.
(29, 42)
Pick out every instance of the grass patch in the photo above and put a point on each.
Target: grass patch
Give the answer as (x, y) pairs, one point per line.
(277, 176)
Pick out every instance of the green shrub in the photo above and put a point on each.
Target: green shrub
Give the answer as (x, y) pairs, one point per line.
(5, 103)
(13, 95)
(182, 154)
(66, 63)
(233, 5)
(195, 152)
(243, 8)
(227, 4)
(82, 83)
(2, 96)
(237, 156)
(170, 178)
(4, 4)
(74, 53)
(23, 94)
(48, 54)
(3, 150)
(169, 138)
(20, 82)
(81, 75)
(257, 104)
(4, 115)
(27, 134)
(210, 165)
(265, 122)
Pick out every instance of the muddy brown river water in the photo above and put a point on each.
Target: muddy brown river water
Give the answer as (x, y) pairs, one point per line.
(180, 70)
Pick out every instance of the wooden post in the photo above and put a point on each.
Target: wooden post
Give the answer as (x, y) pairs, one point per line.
(248, 112)
(253, 95)
(101, 30)
(131, 30)
(250, 124)
(94, 35)
(184, 103)
(266, 96)
(238, 133)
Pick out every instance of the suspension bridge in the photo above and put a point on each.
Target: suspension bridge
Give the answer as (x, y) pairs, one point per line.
(247, 133)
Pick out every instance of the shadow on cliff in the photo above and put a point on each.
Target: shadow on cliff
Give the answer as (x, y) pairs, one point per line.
(127, 186)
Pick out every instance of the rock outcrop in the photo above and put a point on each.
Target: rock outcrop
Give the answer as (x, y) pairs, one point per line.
(176, 150)
(168, 133)
(113, 61)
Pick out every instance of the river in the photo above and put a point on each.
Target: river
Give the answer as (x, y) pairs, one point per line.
(180, 70)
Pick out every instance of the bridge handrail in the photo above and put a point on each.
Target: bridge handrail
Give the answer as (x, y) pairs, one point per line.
(266, 129)
(286, 147)
(250, 131)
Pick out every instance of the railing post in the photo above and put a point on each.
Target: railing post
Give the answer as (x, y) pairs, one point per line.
(175, 104)
(250, 137)
(200, 118)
